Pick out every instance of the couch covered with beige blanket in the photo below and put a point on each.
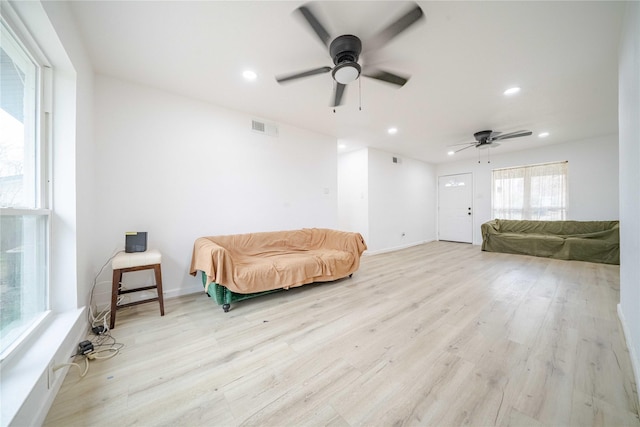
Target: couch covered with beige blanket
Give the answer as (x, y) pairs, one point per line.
(593, 241)
(239, 266)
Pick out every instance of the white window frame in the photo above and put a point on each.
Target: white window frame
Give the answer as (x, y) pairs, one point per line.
(41, 173)
(500, 207)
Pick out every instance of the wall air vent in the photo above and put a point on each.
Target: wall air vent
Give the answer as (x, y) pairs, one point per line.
(270, 129)
(257, 126)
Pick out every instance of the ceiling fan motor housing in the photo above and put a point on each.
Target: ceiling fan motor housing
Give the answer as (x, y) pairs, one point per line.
(345, 48)
(483, 137)
(345, 51)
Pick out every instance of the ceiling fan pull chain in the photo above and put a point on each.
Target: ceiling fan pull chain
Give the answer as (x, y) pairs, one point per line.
(360, 94)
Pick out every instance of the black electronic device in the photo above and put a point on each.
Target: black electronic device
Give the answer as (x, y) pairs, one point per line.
(85, 347)
(135, 241)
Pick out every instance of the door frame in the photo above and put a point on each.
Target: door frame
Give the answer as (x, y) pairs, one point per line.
(471, 204)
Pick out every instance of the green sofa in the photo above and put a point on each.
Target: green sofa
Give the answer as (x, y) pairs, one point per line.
(593, 241)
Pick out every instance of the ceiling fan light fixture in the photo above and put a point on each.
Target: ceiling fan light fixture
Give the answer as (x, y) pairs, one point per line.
(346, 72)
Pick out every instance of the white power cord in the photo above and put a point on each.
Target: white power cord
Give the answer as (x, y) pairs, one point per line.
(101, 317)
(86, 367)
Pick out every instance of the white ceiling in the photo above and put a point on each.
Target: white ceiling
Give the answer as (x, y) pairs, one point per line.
(564, 56)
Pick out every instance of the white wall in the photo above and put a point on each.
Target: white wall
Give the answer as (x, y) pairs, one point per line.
(629, 128)
(181, 169)
(353, 192)
(390, 204)
(75, 192)
(401, 201)
(593, 177)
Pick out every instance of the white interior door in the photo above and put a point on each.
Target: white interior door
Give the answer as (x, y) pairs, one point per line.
(455, 210)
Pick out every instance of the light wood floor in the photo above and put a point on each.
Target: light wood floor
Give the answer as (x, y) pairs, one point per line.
(439, 334)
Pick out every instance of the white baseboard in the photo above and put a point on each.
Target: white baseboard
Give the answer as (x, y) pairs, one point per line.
(635, 363)
(396, 248)
(103, 299)
(173, 293)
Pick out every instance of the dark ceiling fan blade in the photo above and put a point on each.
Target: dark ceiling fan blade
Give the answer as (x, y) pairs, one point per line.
(462, 143)
(288, 77)
(396, 27)
(469, 146)
(338, 92)
(515, 134)
(386, 76)
(315, 24)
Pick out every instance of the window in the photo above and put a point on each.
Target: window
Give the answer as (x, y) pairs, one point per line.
(536, 192)
(24, 217)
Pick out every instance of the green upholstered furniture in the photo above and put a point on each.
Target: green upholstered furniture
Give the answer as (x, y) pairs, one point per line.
(593, 241)
(225, 297)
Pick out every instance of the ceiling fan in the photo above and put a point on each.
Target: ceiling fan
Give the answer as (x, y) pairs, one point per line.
(345, 51)
(488, 138)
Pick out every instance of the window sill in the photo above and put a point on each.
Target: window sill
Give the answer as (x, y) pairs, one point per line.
(23, 337)
(26, 391)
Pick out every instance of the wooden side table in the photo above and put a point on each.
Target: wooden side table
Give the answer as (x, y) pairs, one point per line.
(128, 262)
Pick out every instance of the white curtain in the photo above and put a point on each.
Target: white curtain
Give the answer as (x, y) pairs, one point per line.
(537, 192)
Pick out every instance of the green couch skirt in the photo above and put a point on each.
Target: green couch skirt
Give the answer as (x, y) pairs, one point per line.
(225, 297)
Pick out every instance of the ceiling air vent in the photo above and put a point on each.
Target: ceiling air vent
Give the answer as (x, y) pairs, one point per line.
(270, 129)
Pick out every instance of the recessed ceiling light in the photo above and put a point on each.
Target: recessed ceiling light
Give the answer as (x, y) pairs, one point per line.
(543, 134)
(249, 75)
(512, 91)
(392, 131)
(342, 146)
(451, 153)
